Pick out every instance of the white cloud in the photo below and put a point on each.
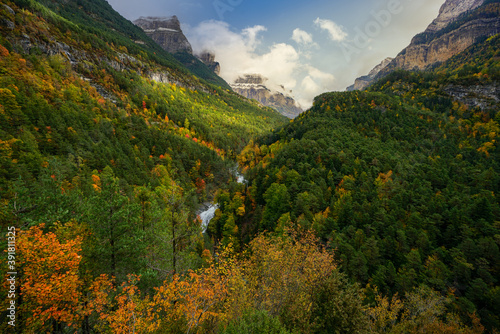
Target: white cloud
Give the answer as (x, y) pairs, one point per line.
(302, 37)
(237, 53)
(314, 83)
(241, 52)
(251, 33)
(334, 30)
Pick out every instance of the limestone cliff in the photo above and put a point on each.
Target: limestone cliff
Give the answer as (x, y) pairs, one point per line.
(476, 96)
(208, 59)
(166, 31)
(252, 86)
(460, 24)
(364, 81)
(450, 11)
(432, 48)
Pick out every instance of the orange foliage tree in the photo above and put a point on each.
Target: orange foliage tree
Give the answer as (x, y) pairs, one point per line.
(118, 310)
(50, 283)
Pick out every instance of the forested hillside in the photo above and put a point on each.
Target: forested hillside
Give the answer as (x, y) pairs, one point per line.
(82, 100)
(372, 212)
(400, 181)
(108, 138)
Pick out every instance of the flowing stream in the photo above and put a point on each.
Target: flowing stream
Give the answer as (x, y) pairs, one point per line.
(207, 215)
(210, 208)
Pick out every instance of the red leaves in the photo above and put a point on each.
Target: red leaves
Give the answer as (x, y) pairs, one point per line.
(200, 184)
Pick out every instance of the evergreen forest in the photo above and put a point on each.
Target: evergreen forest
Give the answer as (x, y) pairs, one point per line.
(374, 211)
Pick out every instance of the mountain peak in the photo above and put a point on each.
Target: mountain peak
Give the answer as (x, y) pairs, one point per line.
(171, 18)
(166, 31)
(364, 81)
(450, 11)
(460, 24)
(252, 86)
(208, 58)
(255, 79)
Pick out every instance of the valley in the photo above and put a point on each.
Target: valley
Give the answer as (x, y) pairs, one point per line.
(149, 195)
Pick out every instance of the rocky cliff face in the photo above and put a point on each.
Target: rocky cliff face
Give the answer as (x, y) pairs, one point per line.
(450, 10)
(208, 59)
(166, 31)
(252, 86)
(364, 81)
(459, 25)
(476, 96)
(421, 54)
(83, 60)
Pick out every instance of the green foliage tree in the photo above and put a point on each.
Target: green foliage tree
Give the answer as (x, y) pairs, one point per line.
(277, 203)
(253, 322)
(112, 216)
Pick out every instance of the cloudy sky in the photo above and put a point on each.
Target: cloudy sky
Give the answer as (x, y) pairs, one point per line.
(309, 47)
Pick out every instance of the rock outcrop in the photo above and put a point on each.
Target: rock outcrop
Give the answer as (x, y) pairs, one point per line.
(451, 10)
(476, 96)
(460, 24)
(165, 31)
(4, 21)
(208, 59)
(422, 54)
(252, 86)
(364, 81)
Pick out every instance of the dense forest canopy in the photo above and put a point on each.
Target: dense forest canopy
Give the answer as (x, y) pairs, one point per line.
(372, 212)
(400, 180)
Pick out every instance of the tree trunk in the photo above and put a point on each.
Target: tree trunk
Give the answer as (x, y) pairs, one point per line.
(174, 248)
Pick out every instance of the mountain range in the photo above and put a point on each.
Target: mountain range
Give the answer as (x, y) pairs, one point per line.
(253, 86)
(166, 31)
(460, 24)
(374, 211)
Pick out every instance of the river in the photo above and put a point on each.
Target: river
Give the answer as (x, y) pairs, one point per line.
(209, 208)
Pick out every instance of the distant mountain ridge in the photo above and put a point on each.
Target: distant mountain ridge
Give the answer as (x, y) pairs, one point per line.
(167, 33)
(252, 86)
(208, 59)
(460, 24)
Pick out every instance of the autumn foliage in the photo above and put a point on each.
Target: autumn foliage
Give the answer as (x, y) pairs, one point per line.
(289, 278)
(50, 281)
(102, 170)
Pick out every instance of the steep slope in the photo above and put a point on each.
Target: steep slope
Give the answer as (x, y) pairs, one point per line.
(459, 25)
(471, 77)
(103, 138)
(167, 33)
(71, 49)
(401, 180)
(450, 11)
